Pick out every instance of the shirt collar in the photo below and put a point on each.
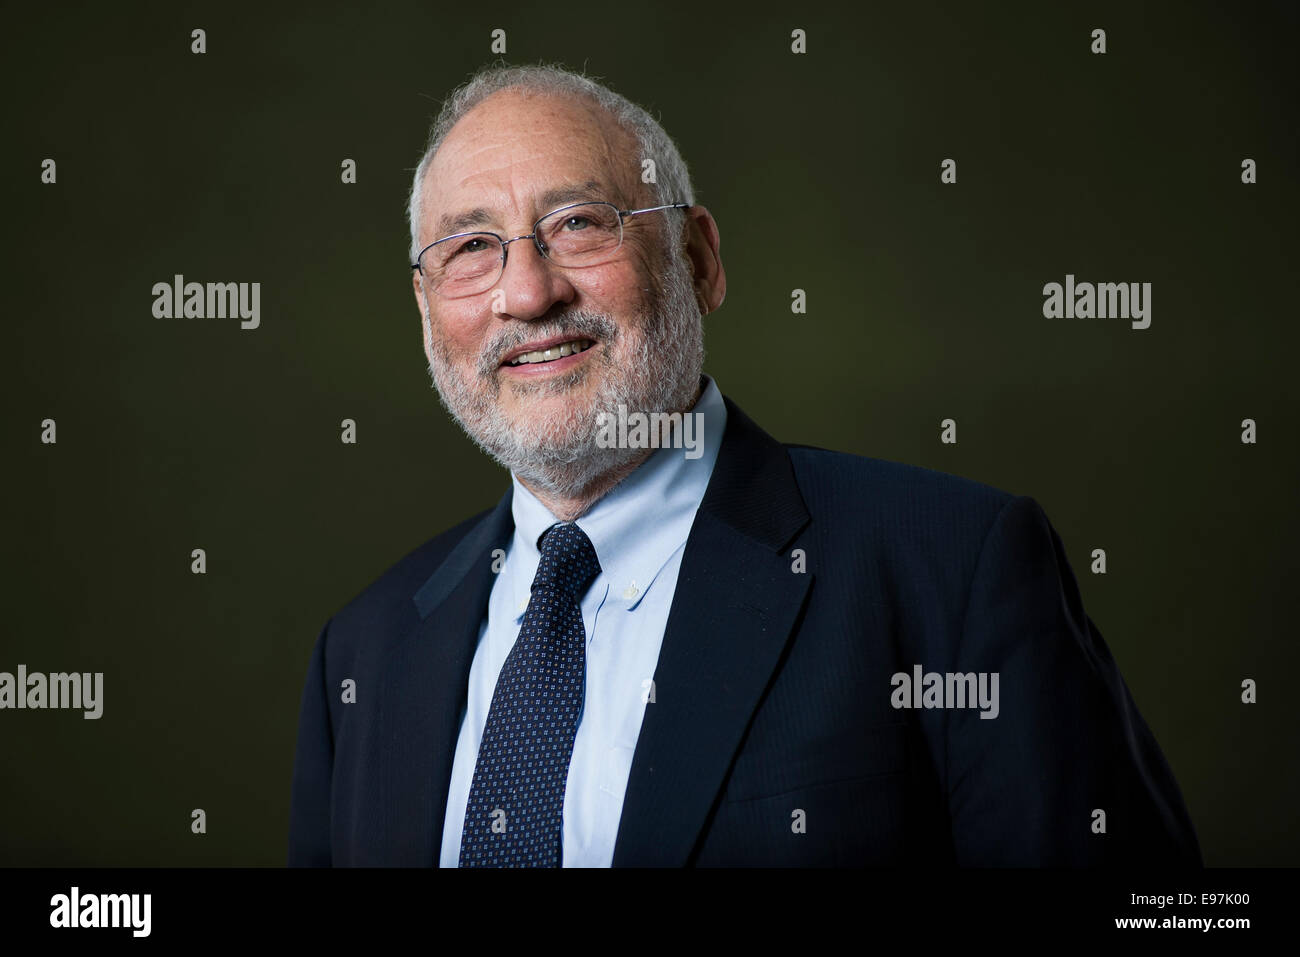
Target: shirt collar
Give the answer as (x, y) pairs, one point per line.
(639, 524)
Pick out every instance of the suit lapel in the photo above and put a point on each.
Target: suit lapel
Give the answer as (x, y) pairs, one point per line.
(735, 604)
(425, 681)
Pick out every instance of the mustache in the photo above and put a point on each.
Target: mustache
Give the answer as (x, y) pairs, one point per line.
(573, 325)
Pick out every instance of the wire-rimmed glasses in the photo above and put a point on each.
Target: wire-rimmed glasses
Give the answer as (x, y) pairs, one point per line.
(573, 236)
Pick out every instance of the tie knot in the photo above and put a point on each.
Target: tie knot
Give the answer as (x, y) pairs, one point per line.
(568, 560)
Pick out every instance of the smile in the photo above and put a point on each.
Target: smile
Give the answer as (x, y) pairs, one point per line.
(550, 354)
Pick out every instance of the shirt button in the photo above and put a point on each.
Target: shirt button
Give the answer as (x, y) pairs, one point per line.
(631, 591)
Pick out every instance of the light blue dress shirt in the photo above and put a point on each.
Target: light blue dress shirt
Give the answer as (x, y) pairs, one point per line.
(639, 531)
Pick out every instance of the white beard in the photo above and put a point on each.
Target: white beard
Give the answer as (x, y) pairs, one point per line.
(557, 453)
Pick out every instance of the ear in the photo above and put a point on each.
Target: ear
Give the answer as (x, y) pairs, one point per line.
(419, 295)
(426, 321)
(702, 242)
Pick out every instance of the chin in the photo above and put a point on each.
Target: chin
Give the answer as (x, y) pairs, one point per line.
(531, 411)
(569, 475)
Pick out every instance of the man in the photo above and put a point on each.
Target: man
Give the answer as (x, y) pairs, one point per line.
(728, 653)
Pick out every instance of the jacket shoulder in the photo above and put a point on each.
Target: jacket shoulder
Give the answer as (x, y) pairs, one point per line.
(830, 477)
(386, 606)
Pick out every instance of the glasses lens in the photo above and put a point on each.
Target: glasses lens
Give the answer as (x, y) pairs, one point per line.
(584, 235)
(462, 265)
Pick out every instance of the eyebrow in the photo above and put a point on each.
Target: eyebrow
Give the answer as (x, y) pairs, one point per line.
(450, 224)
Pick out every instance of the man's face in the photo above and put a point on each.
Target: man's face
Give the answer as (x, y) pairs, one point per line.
(518, 157)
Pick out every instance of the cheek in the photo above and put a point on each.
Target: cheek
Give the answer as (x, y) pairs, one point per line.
(458, 335)
(620, 288)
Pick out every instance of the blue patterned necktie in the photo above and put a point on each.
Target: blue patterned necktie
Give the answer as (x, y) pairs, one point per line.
(515, 811)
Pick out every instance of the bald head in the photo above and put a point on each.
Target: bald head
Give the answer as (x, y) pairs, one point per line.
(566, 147)
(645, 139)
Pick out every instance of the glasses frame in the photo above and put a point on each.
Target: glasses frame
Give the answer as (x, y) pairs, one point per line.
(623, 214)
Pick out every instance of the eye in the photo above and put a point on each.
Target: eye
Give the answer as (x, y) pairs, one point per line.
(474, 244)
(582, 223)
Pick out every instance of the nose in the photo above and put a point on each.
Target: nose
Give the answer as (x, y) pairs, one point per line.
(530, 284)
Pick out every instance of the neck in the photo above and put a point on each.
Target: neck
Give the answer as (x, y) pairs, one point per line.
(568, 508)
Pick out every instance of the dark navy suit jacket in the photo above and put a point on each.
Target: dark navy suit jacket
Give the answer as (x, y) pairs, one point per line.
(772, 739)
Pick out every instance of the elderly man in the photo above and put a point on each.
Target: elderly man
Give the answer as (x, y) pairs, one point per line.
(755, 654)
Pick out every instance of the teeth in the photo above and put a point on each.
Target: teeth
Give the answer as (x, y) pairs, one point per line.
(572, 347)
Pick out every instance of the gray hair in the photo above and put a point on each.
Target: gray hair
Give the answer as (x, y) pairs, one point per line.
(673, 179)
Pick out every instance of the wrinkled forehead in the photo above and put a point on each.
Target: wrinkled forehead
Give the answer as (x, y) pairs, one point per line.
(517, 155)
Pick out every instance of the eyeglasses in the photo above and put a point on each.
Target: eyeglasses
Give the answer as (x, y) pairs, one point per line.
(574, 236)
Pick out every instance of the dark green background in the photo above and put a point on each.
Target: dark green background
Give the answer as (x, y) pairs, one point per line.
(823, 173)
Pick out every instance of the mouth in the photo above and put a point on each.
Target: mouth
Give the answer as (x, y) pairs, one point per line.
(551, 354)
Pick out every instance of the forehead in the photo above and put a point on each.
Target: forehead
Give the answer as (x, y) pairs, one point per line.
(516, 153)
